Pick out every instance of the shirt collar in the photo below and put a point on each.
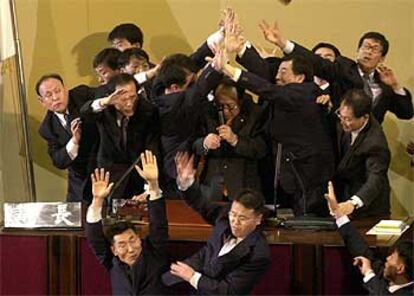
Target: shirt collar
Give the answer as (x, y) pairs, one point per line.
(394, 288)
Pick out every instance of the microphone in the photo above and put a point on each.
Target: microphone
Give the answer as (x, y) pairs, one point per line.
(110, 219)
(221, 115)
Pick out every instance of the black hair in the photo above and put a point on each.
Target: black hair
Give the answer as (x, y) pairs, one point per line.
(405, 253)
(130, 32)
(107, 57)
(251, 199)
(46, 77)
(175, 68)
(358, 100)
(123, 79)
(118, 228)
(126, 55)
(377, 37)
(300, 65)
(327, 45)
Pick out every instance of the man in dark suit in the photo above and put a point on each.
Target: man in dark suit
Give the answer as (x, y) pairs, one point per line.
(361, 176)
(295, 122)
(393, 278)
(134, 264)
(367, 73)
(236, 255)
(127, 126)
(71, 143)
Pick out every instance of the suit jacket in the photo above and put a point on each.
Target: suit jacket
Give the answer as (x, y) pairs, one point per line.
(142, 133)
(363, 169)
(153, 261)
(236, 272)
(295, 121)
(57, 137)
(343, 75)
(180, 113)
(237, 166)
(357, 246)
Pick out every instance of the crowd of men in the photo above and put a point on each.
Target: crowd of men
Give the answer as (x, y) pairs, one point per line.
(322, 112)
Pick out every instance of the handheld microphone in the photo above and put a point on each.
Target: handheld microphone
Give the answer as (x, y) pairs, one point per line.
(221, 115)
(109, 219)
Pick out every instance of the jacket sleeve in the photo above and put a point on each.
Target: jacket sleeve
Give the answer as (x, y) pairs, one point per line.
(98, 243)
(198, 57)
(158, 224)
(402, 106)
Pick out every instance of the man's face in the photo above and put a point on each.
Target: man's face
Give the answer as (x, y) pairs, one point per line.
(135, 66)
(105, 73)
(393, 266)
(369, 55)
(123, 44)
(348, 120)
(127, 101)
(285, 74)
(127, 246)
(242, 220)
(326, 53)
(53, 95)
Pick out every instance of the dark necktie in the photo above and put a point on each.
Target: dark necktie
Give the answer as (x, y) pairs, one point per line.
(124, 130)
(67, 120)
(367, 88)
(345, 142)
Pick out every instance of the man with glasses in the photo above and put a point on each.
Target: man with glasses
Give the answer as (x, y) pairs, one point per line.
(361, 179)
(236, 255)
(367, 73)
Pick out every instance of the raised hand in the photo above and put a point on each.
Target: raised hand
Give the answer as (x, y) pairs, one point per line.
(388, 77)
(331, 199)
(273, 34)
(113, 97)
(324, 100)
(149, 171)
(75, 128)
(185, 168)
(364, 264)
(100, 185)
(220, 58)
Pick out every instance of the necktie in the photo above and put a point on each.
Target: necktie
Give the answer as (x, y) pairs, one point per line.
(67, 120)
(345, 142)
(124, 130)
(367, 88)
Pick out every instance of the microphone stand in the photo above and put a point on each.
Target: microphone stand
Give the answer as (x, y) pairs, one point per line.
(275, 220)
(110, 217)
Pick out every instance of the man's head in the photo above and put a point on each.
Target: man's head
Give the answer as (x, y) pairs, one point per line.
(52, 93)
(177, 72)
(125, 36)
(354, 110)
(399, 263)
(372, 49)
(105, 64)
(133, 60)
(246, 213)
(125, 242)
(126, 103)
(227, 96)
(294, 69)
(326, 50)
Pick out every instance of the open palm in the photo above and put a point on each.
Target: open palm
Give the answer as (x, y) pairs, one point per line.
(100, 184)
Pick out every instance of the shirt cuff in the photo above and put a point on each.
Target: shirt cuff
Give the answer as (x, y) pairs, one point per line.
(93, 214)
(97, 106)
(341, 221)
(195, 279)
(369, 275)
(401, 92)
(358, 200)
(289, 47)
(237, 74)
(245, 46)
(154, 194)
(140, 77)
(72, 149)
(215, 38)
(183, 186)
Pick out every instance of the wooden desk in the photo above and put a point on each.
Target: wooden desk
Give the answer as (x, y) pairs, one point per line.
(304, 262)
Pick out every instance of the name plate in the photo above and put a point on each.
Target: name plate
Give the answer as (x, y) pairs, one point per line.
(61, 215)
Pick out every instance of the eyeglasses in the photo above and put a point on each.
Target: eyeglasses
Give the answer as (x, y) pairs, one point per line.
(344, 118)
(373, 48)
(230, 107)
